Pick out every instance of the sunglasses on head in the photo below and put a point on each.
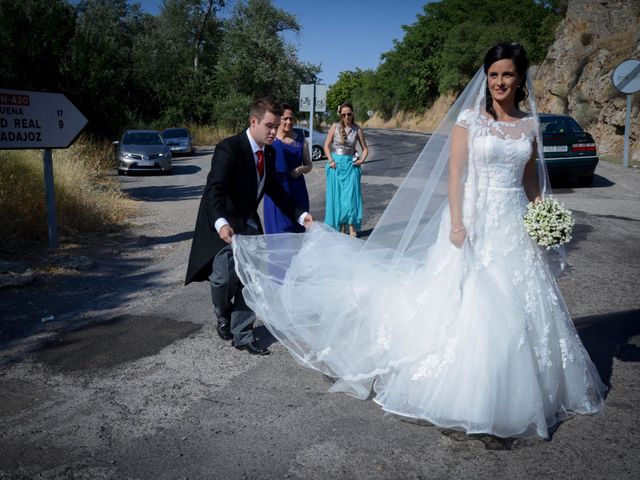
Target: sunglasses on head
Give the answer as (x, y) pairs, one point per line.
(347, 114)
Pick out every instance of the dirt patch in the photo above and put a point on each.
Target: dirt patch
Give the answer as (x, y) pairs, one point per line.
(113, 342)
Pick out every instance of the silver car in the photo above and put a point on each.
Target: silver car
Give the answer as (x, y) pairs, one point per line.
(179, 140)
(143, 151)
(317, 150)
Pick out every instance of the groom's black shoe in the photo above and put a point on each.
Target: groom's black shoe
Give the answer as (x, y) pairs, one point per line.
(254, 348)
(223, 330)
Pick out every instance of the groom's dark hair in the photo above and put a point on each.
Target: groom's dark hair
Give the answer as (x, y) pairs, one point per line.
(262, 105)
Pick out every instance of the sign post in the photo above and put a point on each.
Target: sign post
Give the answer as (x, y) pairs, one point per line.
(313, 98)
(626, 78)
(39, 120)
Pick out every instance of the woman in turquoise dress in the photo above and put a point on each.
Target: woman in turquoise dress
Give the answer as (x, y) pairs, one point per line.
(344, 197)
(292, 162)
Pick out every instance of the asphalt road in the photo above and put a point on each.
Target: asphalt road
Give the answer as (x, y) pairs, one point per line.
(129, 379)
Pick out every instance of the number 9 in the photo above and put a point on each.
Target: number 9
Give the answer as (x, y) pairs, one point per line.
(60, 124)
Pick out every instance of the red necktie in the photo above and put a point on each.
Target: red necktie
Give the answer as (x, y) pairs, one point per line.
(260, 165)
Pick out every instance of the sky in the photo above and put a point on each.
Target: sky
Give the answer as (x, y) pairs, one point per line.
(341, 35)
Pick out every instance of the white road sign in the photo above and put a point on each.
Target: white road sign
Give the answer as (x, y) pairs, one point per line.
(306, 97)
(626, 76)
(38, 120)
(321, 98)
(307, 94)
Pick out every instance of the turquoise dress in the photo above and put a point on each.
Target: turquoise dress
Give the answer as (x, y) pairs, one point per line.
(344, 196)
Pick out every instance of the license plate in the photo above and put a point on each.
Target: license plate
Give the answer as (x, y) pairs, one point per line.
(146, 164)
(556, 148)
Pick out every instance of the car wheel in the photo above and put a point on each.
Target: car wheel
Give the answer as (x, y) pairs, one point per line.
(316, 153)
(585, 181)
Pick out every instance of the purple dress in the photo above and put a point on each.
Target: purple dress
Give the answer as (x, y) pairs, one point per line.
(288, 157)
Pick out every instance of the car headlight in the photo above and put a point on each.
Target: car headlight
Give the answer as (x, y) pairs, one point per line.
(126, 155)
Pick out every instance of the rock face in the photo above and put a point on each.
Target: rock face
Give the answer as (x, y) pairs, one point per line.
(575, 78)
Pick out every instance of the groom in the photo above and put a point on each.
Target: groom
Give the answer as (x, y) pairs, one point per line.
(242, 171)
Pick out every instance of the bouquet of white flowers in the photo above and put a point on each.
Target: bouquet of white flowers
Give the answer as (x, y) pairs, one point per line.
(548, 222)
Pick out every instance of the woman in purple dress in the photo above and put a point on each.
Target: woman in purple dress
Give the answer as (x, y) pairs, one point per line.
(292, 162)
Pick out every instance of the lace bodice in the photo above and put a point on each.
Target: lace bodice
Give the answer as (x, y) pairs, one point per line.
(499, 151)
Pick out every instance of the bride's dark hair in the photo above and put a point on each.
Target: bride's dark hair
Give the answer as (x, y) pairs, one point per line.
(517, 54)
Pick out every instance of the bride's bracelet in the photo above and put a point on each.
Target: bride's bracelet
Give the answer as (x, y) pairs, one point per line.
(458, 230)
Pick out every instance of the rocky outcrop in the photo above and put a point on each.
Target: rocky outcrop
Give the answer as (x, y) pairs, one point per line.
(575, 77)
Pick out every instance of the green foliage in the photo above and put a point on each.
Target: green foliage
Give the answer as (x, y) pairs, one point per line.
(34, 35)
(125, 68)
(444, 48)
(256, 61)
(350, 84)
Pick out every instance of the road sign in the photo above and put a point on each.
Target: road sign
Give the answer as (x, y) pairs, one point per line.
(38, 120)
(306, 97)
(321, 98)
(626, 76)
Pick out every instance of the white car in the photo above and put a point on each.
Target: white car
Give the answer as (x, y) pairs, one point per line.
(179, 140)
(317, 149)
(143, 151)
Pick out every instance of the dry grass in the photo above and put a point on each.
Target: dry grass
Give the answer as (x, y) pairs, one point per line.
(207, 135)
(87, 201)
(421, 122)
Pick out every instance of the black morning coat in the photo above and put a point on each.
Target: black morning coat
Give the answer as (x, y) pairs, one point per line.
(231, 192)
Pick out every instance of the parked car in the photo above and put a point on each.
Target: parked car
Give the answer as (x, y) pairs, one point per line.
(143, 151)
(569, 151)
(317, 149)
(179, 140)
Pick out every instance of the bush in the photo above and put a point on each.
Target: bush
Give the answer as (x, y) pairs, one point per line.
(87, 201)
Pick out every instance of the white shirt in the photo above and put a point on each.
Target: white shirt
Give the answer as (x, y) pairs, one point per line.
(221, 222)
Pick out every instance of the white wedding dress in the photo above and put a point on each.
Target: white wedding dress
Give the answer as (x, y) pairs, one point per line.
(477, 338)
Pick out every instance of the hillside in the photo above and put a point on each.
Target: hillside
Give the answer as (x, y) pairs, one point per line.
(575, 77)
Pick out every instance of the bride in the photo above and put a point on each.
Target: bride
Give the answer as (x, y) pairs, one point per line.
(449, 312)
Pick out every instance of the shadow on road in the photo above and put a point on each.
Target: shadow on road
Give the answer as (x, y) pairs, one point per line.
(184, 169)
(609, 336)
(112, 342)
(178, 237)
(567, 184)
(163, 193)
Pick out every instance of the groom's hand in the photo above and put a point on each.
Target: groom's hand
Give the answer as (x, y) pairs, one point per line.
(226, 233)
(308, 220)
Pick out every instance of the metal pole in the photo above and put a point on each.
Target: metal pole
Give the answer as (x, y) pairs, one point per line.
(627, 128)
(50, 197)
(313, 107)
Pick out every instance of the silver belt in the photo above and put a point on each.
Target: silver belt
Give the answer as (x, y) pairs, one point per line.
(343, 150)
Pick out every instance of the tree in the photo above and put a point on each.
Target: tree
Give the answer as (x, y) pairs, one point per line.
(343, 90)
(98, 66)
(442, 50)
(255, 60)
(175, 58)
(34, 34)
